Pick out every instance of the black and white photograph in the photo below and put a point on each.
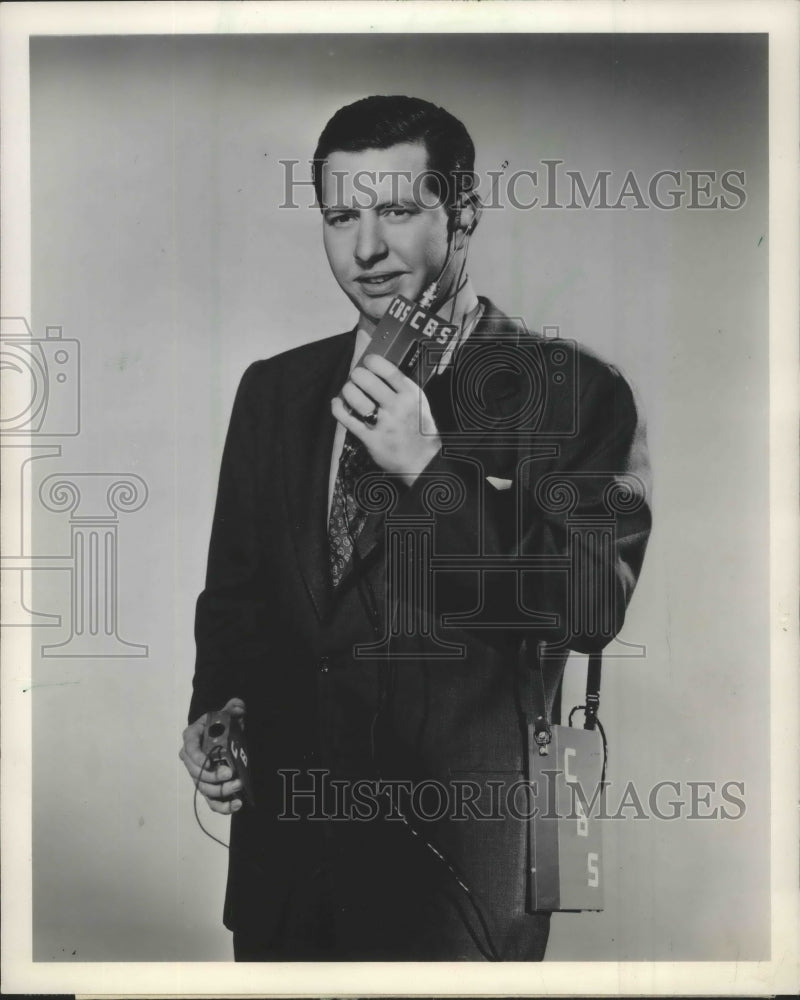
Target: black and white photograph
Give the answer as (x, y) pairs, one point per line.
(399, 498)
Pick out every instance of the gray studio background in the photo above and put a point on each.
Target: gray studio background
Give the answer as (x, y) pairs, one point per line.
(158, 244)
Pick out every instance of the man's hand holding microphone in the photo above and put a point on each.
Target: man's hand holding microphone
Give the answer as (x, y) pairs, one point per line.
(219, 785)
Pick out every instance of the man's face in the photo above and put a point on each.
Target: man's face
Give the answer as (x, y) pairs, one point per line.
(383, 234)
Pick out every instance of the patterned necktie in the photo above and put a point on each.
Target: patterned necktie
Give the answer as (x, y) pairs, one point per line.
(347, 519)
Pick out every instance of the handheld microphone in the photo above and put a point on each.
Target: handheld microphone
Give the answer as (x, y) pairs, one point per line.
(223, 743)
(406, 334)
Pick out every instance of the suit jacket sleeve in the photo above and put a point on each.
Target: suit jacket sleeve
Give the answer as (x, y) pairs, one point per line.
(229, 627)
(582, 513)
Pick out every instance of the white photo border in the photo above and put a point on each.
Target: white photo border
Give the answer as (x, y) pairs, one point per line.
(780, 20)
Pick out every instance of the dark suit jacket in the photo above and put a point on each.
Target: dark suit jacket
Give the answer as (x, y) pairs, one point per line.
(511, 559)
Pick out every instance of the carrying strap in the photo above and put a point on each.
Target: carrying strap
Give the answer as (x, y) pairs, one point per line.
(534, 695)
(593, 675)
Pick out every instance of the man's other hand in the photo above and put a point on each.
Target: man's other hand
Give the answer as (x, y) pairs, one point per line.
(219, 786)
(403, 438)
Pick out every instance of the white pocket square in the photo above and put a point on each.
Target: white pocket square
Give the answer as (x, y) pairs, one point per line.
(499, 484)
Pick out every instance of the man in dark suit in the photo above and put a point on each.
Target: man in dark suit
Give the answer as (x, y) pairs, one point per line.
(384, 561)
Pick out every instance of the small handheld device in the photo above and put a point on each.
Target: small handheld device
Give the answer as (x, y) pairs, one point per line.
(223, 743)
(402, 333)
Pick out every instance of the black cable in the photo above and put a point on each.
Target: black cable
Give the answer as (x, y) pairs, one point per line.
(605, 752)
(194, 803)
(459, 285)
(489, 956)
(582, 708)
(384, 696)
(493, 954)
(477, 205)
(452, 250)
(231, 848)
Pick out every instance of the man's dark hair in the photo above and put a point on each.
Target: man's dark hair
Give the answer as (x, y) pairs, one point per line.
(380, 121)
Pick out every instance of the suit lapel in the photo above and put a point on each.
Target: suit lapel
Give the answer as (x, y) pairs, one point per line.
(307, 433)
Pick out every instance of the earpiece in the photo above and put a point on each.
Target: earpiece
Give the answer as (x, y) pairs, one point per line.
(471, 227)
